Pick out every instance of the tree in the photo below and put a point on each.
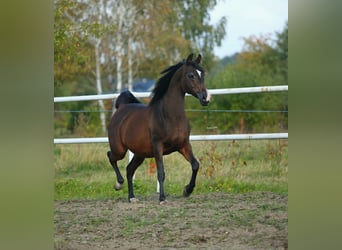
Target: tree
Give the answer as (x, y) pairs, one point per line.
(263, 61)
(282, 51)
(195, 20)
(72, 22)
(70, 49)
(152, 31)
(95, 39)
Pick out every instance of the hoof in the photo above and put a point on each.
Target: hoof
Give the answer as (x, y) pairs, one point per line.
(185, 192)
(117, 186)
(164, 202)
(133, 200)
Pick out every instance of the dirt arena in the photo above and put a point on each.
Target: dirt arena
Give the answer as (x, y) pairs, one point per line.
(213, 221)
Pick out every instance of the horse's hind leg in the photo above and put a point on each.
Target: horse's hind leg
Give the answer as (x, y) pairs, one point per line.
(119, 178)
(132, 166)
(189, 156)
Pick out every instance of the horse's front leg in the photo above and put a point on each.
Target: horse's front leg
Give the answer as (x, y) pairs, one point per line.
(158, 155)
(189, 156)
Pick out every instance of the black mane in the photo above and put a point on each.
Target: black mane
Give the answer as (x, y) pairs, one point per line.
(163, 82)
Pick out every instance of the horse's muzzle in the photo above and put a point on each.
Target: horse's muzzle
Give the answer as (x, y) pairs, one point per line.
(204, 98)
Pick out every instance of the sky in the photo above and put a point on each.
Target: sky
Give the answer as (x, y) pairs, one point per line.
(248, 17)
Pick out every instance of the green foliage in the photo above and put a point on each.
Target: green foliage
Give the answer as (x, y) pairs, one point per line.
(261, 63)
(71, 51)
(162, 33)
(157, 33)
(195, 22)
(282, 51)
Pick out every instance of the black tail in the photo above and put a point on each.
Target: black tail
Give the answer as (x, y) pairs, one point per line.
(124, 98)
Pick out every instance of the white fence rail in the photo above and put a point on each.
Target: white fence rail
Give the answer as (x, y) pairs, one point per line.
(192, 137)
(148, 94)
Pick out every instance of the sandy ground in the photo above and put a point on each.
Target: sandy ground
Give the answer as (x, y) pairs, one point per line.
(214, 221)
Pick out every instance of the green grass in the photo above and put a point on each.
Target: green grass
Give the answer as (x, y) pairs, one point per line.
(83, 171)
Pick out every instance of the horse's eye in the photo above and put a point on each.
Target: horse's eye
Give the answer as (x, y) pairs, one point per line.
(191, 76)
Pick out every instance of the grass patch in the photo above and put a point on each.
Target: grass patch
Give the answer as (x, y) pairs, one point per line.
(83, 171)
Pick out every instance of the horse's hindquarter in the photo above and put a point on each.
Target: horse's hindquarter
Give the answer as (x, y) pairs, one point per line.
(135, 131)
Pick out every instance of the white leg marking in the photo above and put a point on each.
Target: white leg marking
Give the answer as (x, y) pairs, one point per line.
(134, 200)
(163, 202)
(117, 186)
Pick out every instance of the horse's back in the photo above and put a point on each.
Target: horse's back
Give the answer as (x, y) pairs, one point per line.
(125, 115)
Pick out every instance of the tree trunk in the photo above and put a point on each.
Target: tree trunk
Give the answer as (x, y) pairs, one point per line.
(120, 45)
(98, 85)
(130, 64)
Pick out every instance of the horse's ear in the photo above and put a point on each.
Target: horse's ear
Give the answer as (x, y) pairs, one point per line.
(198, 59)
(189, 59)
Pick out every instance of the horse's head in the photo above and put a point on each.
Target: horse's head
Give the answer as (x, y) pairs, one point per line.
(193, 80)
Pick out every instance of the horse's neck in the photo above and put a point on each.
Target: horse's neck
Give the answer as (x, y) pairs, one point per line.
(173, 103)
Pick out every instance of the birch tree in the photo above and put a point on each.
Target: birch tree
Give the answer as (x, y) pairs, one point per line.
(88, 21)
(129, 39)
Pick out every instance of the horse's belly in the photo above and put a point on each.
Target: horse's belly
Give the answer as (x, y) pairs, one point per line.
(142, 149)
(174, 144)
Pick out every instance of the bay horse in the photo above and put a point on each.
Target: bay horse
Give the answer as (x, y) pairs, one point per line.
(159, 128)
